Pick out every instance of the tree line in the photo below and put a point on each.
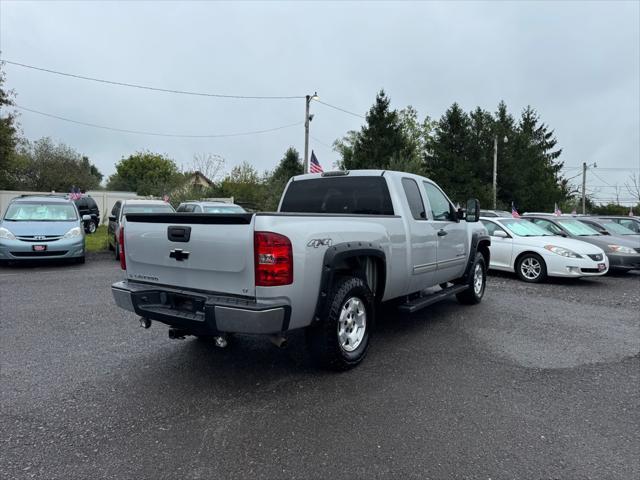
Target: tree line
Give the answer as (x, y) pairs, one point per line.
(455, 150)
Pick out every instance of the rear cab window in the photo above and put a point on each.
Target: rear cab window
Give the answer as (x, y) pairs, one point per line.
(348, 195)
(414, 197)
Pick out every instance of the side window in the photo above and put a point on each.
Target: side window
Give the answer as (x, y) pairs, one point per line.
(440, 206)
(197, 209)
(81, 203)
(182, 208)
(547, 225)
(491, 227)
(91, 203)
(414, 198)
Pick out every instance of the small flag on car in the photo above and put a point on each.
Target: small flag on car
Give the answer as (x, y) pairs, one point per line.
(314, 165)
(556, 211)
(514, 212)
(165, 198)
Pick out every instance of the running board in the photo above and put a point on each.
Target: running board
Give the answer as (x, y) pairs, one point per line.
(422, 302)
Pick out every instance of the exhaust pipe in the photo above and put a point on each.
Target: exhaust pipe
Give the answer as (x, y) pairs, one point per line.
(221, 341)
(279, 341)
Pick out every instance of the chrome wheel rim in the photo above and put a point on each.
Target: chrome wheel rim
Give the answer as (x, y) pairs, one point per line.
(352, 324)
(92, 227)
(478, 280)
(530, 268)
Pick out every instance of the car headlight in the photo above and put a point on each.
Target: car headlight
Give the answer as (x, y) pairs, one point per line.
(6, 234)
(74, 232)
(562, 251)
(621, 249)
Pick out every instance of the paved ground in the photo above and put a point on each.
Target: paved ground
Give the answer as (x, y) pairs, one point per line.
(537, 382)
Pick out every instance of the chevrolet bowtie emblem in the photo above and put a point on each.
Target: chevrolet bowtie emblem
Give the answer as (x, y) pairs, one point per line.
(179, 254)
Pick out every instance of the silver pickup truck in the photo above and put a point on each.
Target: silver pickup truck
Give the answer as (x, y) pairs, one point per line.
(340, 244)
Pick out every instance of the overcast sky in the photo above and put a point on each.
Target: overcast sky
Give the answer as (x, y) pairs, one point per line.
(577, 63)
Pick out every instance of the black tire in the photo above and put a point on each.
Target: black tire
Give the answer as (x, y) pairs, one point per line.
(348, 295)
(531, 268)
(109, 246)
(92, 226)
(475, 291)
(79, 260)
(117, 252)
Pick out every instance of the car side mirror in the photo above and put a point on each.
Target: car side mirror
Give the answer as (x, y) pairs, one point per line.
(500, 234)
(86, 218)
(473, 210)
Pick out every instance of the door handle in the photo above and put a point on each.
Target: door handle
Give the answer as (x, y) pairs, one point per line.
(442, 233)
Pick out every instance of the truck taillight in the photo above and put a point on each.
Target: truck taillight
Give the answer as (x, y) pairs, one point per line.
(123, 262)
(273, 259)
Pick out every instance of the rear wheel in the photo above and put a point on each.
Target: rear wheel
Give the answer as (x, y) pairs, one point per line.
(531, 268)
(92, 226)
(79, 260)
(476, 282)
(117, 251)
(340, 340)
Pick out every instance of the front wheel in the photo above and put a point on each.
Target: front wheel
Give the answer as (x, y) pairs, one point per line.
(477, 282)
(531, 268)
(91, 227)
(340, 340)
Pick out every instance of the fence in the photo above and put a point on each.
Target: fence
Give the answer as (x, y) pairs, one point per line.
(104, 199)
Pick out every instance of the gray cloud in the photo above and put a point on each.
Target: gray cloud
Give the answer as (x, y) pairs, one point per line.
(577, 63)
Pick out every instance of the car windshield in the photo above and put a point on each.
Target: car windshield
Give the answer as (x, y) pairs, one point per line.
(524, 228)
(575, 227)
(616, 228)
(223, 209)
(41, 212)
(149, 208)
(630, 224)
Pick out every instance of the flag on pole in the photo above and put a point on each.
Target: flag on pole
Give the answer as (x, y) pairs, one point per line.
(165, 198)
(514, 212)
(314, 165)
(556, 211)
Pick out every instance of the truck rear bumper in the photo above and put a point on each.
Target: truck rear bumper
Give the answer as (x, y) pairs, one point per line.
(200, 313)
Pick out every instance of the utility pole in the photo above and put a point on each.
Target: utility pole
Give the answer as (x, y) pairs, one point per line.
(307, 119)
(584, 187)
(495, 172)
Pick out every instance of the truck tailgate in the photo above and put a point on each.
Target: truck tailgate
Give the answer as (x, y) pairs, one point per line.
(208, 252)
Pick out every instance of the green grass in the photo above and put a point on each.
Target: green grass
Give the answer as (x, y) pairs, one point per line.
(97, 242)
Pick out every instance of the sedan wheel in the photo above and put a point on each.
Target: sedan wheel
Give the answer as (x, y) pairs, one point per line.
(531, 268)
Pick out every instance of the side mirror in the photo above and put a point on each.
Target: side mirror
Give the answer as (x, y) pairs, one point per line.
(86, 218)
(473, 210)
(500, 234)
(112, 218)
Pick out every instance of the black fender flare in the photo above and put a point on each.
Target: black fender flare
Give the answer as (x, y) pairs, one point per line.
(335, 256)
(478, 241)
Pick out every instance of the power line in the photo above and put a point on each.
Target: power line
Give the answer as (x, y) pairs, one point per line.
(321, 142)
(156, 89)
(155, 134)
(340, 109)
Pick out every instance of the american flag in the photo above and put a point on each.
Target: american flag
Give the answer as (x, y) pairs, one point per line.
(314, 165)
(514, 212)
(556, 211)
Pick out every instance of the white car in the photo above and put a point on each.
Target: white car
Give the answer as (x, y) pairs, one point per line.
(534, 253)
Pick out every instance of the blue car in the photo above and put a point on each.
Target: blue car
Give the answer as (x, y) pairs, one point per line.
(42, 228)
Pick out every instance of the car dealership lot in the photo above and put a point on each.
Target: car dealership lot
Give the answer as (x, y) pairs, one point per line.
(538, 381)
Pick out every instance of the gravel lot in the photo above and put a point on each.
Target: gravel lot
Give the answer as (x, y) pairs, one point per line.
(537, 382)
